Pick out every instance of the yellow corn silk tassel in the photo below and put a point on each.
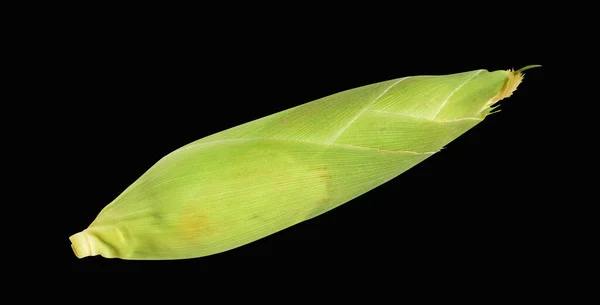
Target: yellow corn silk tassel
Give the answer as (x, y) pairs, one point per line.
(242, 184)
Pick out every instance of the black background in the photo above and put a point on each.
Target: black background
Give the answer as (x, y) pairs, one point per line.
(142, 87)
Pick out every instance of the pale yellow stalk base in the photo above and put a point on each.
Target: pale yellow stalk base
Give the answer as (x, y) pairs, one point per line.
(81, 245)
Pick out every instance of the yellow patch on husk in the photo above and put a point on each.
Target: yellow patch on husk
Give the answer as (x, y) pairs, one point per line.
(514, 79)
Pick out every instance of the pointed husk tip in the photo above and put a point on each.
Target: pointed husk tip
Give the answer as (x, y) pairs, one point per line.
(527, 68)
(514, 80)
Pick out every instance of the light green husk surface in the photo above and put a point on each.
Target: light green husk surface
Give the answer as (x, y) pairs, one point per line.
(245, 183)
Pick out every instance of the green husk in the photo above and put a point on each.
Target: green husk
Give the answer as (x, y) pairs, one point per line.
(242, 184)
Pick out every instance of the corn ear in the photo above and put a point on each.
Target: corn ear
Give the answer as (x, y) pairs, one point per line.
(242, 184)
